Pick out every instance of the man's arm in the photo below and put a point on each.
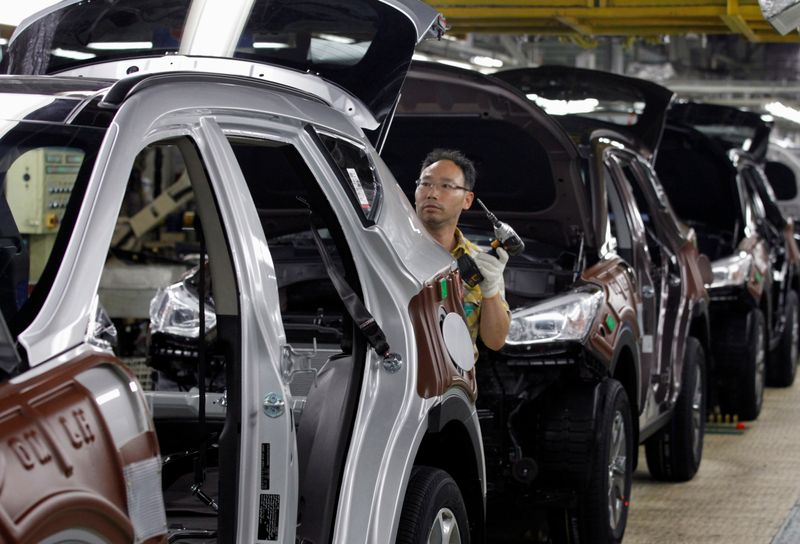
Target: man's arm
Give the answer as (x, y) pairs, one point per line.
(494, 313)
(494, 322)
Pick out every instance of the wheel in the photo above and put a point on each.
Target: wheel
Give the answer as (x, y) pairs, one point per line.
(746, 395)
(433, 510)
(603, 509)
(674, 452)
(782, 366)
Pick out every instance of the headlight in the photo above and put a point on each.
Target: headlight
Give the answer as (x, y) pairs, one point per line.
(568, 317)
(176, 310)
(732, 270)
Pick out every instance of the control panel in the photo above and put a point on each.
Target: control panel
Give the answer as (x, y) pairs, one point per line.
(38, 186)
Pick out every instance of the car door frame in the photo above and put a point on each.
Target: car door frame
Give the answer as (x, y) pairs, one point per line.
(159, 113)
(651, 302)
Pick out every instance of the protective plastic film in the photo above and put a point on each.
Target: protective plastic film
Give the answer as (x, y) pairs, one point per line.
(145, 500)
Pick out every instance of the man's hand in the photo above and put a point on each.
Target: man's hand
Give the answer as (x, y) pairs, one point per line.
(492, 270)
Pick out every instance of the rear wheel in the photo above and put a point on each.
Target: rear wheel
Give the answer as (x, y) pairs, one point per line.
(674, 452)
(433, 510)
(745, 396)
(604, 506)
(782, 366)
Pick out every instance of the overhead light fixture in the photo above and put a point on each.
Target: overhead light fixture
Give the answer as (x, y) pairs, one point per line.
(456, 63)
(420, 56)
(767, 118)
(270, 45)
(781, 110)
(70, 54)
(486, 62)
(3, 41)
(335, 38)
(112, 46)
(564, 107)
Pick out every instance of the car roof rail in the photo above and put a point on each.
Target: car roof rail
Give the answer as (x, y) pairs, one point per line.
(128, 86)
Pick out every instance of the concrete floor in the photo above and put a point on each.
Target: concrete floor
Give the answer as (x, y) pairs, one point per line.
(746, 491)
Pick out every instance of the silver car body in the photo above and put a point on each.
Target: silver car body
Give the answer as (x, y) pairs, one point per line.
(395, 259)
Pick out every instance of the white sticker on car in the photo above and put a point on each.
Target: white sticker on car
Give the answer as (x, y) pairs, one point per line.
(647, 343)
(360, 194)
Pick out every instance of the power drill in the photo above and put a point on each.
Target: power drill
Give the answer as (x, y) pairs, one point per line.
(505, 237)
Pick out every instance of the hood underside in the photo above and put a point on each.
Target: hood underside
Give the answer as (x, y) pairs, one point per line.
(364, 46)
(633, 106)
(529, 170)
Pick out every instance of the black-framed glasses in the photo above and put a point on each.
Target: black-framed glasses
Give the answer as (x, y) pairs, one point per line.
(446, 187)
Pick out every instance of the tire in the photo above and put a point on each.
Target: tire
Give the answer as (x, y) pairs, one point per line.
(782, 365)
(674, 453)
(603, 509)
(746, 395)
(433, 510)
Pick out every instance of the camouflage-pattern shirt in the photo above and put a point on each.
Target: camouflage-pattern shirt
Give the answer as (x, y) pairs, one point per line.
(472, 295)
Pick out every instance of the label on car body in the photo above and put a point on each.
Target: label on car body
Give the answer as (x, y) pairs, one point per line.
(360, 194)
(269, 511)
(264, 466)
(647, 343)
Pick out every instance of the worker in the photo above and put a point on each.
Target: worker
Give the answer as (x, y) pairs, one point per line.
(444, 190)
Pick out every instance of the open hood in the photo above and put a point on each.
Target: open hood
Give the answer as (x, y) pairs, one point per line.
(529, 170)
(731, 127)
(631, 105)
(363, 46)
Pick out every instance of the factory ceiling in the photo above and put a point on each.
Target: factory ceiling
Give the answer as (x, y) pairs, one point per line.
(585, 20)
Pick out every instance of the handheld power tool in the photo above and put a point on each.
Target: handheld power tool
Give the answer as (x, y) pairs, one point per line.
(505, 237)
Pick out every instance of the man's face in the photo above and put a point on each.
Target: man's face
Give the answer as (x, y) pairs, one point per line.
(442, 195)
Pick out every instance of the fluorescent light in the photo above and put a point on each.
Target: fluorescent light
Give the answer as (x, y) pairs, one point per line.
(456, 63)
(69, 54)
(335, 38)
(3, 41)
(420, 56)
(767, 118)
(270, 45)
(564, 107)
(110, 46)
(781, 110)
(486, 62)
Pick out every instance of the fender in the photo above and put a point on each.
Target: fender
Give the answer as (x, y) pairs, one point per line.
(627, 339)
(455, 413)
(454, 408)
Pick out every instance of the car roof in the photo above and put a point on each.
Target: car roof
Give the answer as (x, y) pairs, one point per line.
(94, 101)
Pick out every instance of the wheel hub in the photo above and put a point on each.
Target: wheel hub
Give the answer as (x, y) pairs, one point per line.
(445, 528)
(760, 365)
(617, 467)
(697, 414)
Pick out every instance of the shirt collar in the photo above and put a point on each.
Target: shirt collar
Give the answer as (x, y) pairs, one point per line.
(462, 245)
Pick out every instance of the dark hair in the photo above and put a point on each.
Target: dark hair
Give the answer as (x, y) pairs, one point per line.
(457, 157)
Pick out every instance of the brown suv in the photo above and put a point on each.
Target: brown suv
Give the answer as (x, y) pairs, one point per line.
(610, 330)
(714, 154)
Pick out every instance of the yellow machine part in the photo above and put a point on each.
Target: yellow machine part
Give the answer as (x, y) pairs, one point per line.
(589, 18)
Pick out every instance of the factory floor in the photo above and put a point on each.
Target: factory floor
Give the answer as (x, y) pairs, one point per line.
(746, 492)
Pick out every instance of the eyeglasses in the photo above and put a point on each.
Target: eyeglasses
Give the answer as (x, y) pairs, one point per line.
(446, 187)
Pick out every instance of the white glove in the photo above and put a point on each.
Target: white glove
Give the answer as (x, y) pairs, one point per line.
(491, 268)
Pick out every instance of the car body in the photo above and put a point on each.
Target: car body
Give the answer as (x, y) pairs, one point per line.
(603, 330)
(311, 418)
(783, 170)
(79, 450)
(751, 245)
